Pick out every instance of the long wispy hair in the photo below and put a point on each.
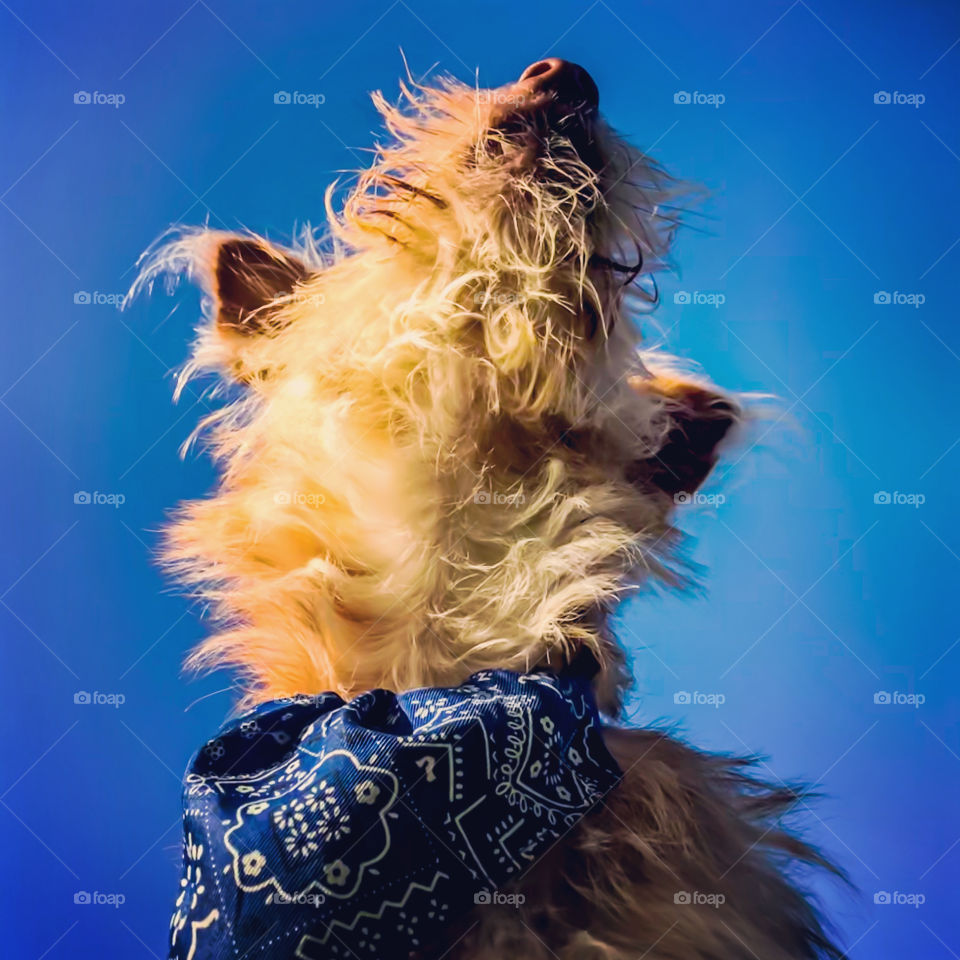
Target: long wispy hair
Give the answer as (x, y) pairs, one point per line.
(432, 467)
(445, 450)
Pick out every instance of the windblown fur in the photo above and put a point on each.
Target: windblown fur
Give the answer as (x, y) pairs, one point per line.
(428, 474)
(685, 861)
(450, 453)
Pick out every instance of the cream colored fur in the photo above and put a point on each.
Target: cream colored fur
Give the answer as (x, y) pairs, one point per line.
(438, 463)
(439, 358)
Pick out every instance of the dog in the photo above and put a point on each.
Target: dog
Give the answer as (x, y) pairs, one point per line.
(444, 450)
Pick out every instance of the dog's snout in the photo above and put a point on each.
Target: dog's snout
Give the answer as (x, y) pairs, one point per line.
(569, 82)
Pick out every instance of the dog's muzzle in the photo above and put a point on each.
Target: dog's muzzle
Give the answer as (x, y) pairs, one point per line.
(569, 85)
(552, 95)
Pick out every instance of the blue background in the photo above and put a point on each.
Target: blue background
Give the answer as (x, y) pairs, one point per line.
(818, 597)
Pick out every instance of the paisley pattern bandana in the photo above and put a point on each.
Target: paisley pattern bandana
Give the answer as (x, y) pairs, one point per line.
(319, 829)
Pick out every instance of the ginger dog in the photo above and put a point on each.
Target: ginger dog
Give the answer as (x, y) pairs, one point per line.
(446, 451)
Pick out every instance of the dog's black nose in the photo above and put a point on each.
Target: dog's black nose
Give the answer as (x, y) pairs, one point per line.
(570, 83)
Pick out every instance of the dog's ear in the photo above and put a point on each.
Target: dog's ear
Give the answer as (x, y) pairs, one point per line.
(246, 276)
(699, 419)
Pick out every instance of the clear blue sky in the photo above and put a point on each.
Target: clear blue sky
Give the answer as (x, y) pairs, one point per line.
(819, 597)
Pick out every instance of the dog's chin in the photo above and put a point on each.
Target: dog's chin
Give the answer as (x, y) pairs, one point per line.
(548, 129)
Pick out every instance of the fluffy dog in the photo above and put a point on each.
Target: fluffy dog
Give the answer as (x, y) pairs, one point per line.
(445, 451)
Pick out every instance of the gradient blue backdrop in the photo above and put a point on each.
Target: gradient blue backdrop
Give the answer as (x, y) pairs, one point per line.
(818, 597)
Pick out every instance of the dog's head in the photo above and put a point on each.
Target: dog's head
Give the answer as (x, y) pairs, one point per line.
(449, 452)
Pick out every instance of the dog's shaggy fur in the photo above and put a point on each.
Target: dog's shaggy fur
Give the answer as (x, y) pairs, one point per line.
(450, 453)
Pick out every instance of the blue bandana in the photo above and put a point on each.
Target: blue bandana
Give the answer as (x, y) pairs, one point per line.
(319, 829)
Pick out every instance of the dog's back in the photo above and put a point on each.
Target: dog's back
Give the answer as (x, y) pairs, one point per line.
(684, 860)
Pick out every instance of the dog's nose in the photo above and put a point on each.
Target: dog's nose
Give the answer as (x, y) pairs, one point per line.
(570, 83)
